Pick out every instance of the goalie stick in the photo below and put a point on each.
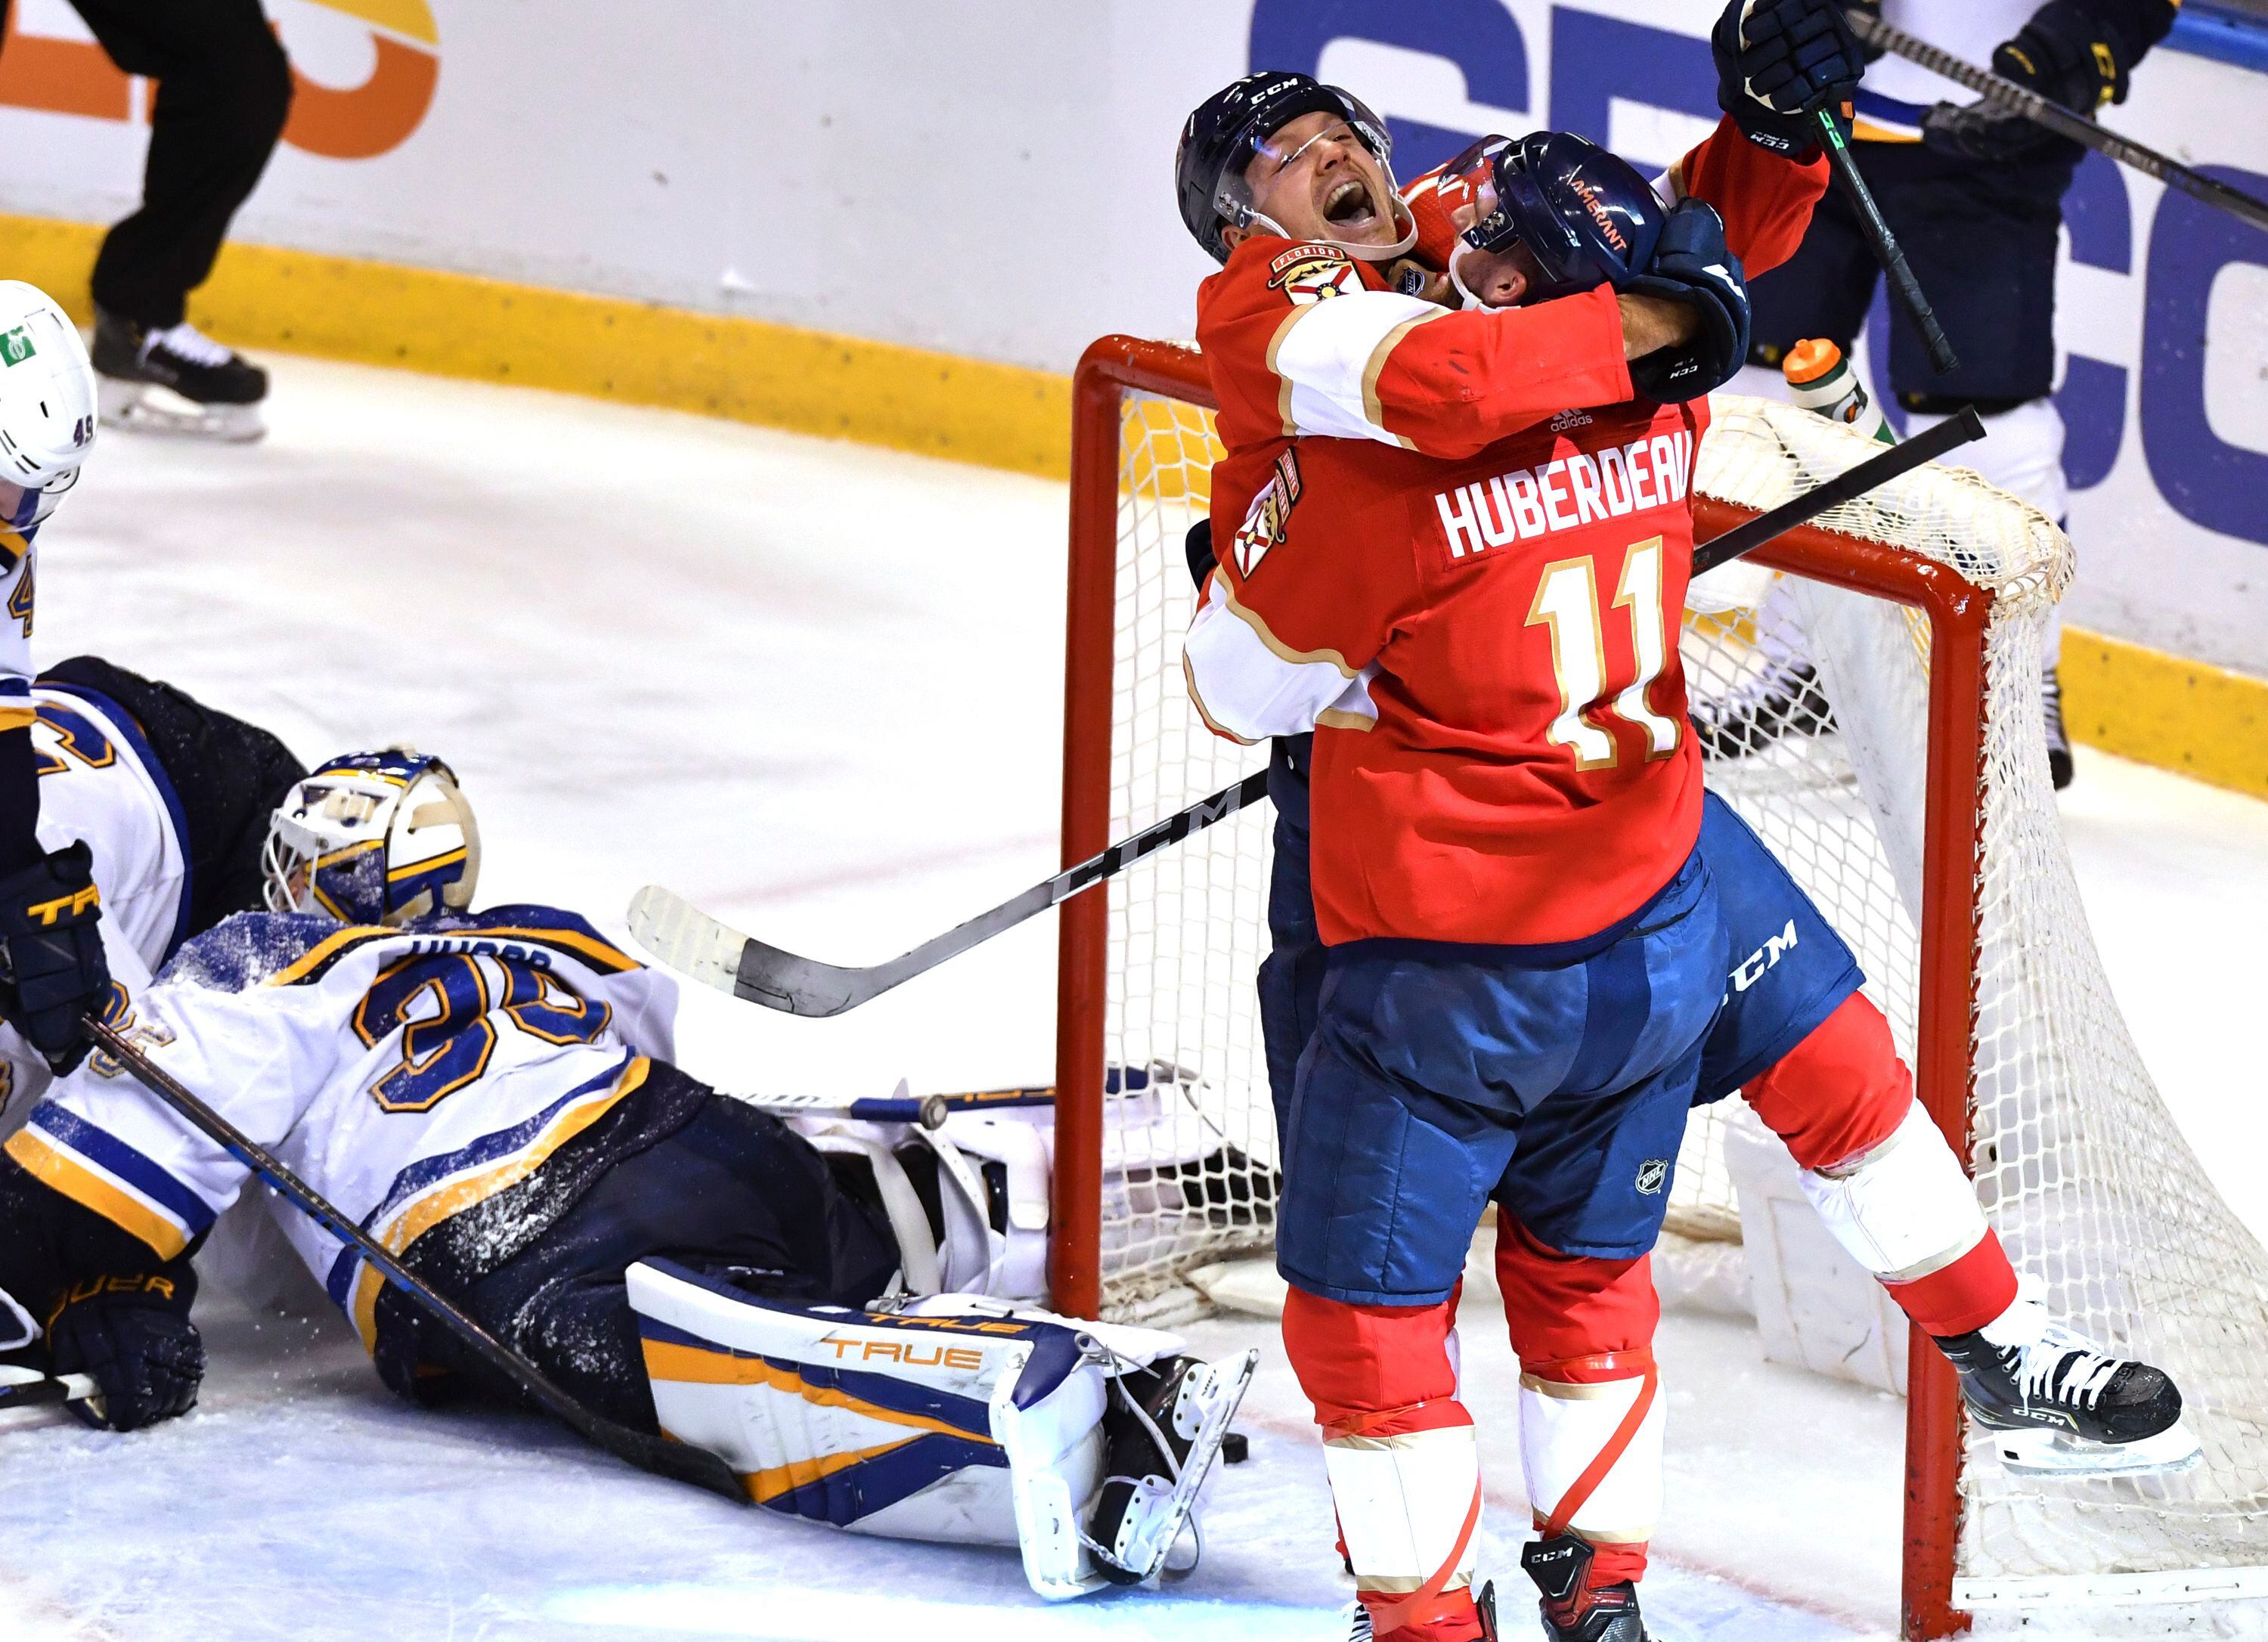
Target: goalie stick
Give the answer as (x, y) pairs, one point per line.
(691, 942)
(681, 1461)
(2042, 111)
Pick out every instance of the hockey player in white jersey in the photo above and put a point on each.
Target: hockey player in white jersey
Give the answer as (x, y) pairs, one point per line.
(489, 1095)
(51, 955)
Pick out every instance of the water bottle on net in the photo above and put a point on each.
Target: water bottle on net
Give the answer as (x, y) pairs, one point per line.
(1819, 378)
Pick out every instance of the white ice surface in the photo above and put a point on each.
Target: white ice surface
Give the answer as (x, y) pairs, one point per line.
(816, 687)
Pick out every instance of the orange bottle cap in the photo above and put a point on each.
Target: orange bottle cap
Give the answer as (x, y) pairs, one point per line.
(1810, 359)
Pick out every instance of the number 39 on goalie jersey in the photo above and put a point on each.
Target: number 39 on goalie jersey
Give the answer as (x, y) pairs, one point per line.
(407, 1075)
(1487, 652)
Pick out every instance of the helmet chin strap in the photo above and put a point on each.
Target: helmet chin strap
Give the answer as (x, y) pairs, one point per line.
(1360, 252)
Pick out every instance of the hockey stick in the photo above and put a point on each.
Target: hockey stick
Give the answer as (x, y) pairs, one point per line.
(930, 1112)
(1955, 429)
(28, 1387)
(1905, 288)
(2042, 111)
(693, 944)
(681, 1461)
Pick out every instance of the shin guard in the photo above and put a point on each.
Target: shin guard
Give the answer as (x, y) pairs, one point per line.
(1399, 1450)
(1880, 1174)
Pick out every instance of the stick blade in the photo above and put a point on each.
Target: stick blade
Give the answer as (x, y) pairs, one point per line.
(765, 975)
(688, 939)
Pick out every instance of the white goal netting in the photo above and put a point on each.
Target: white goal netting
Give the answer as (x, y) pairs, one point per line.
(1813, 703)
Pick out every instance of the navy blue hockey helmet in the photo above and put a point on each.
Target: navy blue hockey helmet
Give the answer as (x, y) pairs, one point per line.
(1587, 215)
(1226, 131)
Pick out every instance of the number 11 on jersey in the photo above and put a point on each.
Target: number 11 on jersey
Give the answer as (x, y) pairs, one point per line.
(1567, 602)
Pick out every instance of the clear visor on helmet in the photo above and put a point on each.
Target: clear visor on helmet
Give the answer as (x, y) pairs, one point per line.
(1491, 262)
(1337, 175)
(20, 509)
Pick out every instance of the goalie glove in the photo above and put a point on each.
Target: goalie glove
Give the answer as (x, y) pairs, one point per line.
(1778, 62)
(1691, 264)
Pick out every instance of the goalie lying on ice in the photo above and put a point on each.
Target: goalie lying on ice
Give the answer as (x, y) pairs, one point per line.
(487, 1093)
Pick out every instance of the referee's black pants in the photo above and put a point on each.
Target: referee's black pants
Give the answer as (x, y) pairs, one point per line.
(224, 88)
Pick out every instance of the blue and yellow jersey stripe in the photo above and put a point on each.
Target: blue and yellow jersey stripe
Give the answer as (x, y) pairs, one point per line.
(434, 1188)
(580, 942)
(98, 1171)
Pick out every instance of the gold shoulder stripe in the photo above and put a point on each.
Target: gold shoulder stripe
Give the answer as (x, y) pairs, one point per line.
(1372, 410)
(309, 965)
(1333, 718)
(1276, 647)
(1282, 382)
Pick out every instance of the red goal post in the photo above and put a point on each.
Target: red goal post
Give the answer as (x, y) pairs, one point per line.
(1957, 613)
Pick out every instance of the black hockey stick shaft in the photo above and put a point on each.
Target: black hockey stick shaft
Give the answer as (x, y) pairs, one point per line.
(1905, 289)
(28, 1390)
(676, 1459)
(2020, 99)
(1956, 429)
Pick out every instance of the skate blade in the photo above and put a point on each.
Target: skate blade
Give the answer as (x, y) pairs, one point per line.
(1218, 1402)
(146, 408)
(2052, 1454)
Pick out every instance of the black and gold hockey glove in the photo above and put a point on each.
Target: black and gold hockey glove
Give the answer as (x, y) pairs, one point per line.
(51, 950)
(2079, 53)
(133, 1338)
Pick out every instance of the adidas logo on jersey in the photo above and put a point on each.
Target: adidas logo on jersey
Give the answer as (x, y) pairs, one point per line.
(1563, 420)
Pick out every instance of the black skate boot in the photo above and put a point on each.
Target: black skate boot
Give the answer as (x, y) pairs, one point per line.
(2060, 765)
(1575, 1609)
(2056, 1404)
(1783, 702)
(1161, 1434)
(204, 388)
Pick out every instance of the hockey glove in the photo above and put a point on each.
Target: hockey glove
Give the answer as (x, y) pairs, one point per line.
(1691, 265)
(1778, 62)
(55, 973)
(134, 1339)
(2068, 56)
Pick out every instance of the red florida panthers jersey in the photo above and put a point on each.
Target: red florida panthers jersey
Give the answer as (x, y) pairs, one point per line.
(1487, 652)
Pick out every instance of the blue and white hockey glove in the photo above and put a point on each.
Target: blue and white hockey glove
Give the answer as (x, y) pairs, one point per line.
(1691, 265)
(50, 940)
(1778, 62)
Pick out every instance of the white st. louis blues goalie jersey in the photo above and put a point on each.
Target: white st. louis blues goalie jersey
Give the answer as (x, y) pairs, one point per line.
(407, 1075)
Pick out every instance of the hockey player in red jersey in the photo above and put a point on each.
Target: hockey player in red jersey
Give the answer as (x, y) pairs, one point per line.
(1509, 800)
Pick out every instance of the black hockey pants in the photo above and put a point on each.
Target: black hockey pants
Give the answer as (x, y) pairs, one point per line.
(223, 90)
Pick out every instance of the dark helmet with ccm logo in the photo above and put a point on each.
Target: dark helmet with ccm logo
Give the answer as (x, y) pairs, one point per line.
(1587, 215)
(1227, 128)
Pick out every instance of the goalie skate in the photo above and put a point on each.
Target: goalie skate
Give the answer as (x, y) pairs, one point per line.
(1164, 1427)
(2058, 1404)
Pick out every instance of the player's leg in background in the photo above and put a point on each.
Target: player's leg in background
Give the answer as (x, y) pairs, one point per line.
(222, 93)
(1982, 239)
(226, 775)
(1291, 978)
(1823, 290)
(725, 1188)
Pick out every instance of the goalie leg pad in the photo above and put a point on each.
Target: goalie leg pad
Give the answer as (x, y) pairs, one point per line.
(1399, 1449)
(966, 1429)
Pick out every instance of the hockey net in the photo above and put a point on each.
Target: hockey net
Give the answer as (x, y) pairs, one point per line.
(1920, 611)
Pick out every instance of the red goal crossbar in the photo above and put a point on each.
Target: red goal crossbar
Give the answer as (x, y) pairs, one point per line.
(1958, 613)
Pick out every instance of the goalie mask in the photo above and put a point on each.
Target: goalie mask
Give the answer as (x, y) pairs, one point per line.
(46, 404)
(373, 838)
(1574, 215)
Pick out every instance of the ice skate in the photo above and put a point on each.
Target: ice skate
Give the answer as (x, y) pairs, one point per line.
(1574, 1609)
(2060, 765)
(176, 380)
(1164, 1427)
(1784, 701)
(1359, 1628)
(2056, 1403)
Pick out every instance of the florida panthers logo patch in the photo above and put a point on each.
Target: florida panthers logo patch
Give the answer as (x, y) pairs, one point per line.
(1265, 520)
(1309, 273)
